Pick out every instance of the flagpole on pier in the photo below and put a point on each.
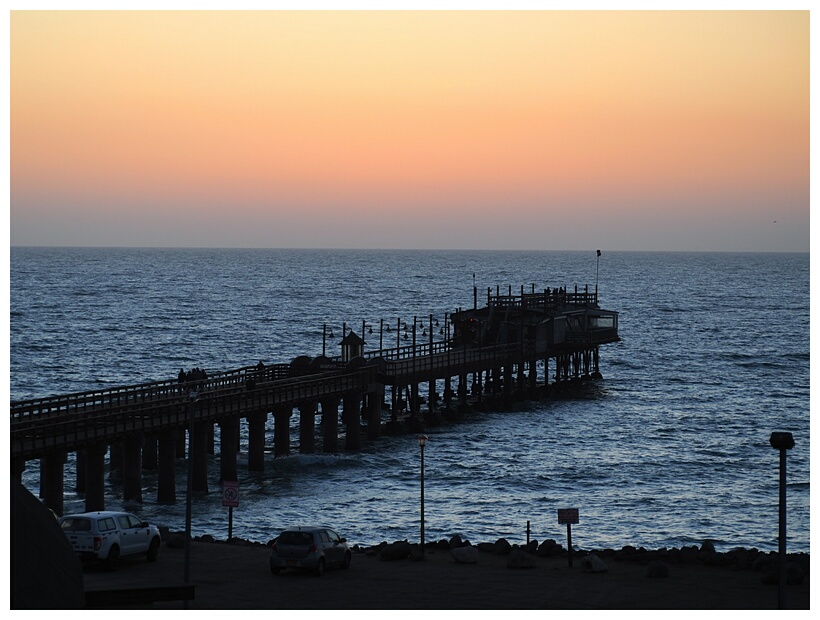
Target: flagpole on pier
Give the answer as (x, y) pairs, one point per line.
(597, 261)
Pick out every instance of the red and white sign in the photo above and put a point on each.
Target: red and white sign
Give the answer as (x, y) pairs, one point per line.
(230, 493)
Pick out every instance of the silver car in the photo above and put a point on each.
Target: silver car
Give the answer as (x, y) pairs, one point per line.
(309, 548)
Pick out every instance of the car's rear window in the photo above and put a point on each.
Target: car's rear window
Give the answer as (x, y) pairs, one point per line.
(77, 525)
(107, 524)
(295, 538)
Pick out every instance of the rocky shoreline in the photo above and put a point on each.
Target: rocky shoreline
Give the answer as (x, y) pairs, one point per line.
(656, 561)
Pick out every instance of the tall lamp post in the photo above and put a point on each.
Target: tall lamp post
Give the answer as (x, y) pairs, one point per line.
(193, 395)
(422, 443)
(783, 442)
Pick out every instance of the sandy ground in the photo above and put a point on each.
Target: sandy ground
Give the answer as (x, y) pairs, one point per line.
(238, 577)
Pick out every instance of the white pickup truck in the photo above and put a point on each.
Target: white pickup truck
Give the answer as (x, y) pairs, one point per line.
(109, 535)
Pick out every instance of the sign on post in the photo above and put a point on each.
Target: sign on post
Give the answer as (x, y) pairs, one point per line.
(230, 493)
(230, 498)
(568, 516)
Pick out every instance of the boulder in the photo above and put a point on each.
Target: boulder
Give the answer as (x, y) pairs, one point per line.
(707, 552)
(486, 547)
(708, 546)
(465, 555)
(176, 540)
(687, 555)
(531, 547)
(657, 570)
(399, 550)
(627, 553)
(502, 547)
(794, 574)
(455, 542)
(591, 563)
(547, 548)
(520, 559)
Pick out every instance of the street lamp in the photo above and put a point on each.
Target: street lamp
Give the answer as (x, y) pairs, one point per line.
(783, 442)
(193, 395)
(422, 442)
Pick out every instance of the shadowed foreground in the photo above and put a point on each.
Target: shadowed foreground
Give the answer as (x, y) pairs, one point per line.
(230, 576)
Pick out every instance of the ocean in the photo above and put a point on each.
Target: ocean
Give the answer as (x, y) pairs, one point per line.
(671, 448)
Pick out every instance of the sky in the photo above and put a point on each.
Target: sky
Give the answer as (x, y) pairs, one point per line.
(530, 130)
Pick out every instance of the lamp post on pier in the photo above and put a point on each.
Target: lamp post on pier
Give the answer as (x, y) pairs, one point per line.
(325, 336)
(422, 442)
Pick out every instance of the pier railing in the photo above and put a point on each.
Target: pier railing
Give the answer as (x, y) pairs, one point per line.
(547, 299)
(132, 395)
(424, 357)
(55, 423)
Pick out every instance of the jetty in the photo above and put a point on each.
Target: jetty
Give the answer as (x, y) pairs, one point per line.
(519, 345)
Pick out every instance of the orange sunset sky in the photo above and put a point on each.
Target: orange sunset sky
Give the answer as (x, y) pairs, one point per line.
(553, 130)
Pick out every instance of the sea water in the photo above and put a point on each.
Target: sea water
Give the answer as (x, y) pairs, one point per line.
(671, 448)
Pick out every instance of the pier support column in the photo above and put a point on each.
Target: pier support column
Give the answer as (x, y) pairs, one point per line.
(395, 399)
(181, 447)
(256, 440)
(533, 374)
(374, 413)
(508, 382)
(330, 424)
(448, 394)
(94, 476)
(132, 468)
(547, 371)
(52, 480)
(18, 466)
(211, 440)
(79, 461)
(281, 431)
(166, 462)
(350, 417)
(149, 452)
(228, 433)
(307, 424)
(415, 408)
(199, 454)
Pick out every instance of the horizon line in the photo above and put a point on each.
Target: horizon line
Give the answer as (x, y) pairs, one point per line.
(396, 249)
